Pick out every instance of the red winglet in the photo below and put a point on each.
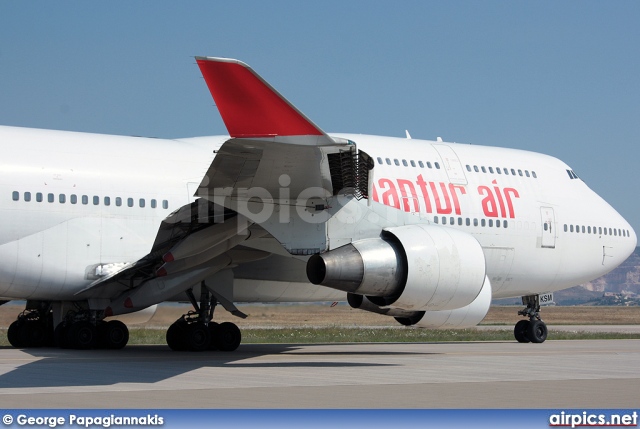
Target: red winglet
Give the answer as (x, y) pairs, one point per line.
(249, 106)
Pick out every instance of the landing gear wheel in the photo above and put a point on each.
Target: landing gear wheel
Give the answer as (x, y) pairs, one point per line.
(175, 335)
(198, 337)
(521, 331)
(113, 335)
(60, 336)
(213, 334)
(229, 337)
(82, 335)
(32, 333)
(537, 331)
(13, 335)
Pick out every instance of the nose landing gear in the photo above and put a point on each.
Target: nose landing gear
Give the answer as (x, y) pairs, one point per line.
(533, 330)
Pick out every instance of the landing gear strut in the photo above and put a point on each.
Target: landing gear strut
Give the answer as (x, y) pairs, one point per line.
(533, 330)
(195, 331)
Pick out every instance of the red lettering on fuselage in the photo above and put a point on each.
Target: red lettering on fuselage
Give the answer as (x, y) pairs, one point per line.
(445, 197)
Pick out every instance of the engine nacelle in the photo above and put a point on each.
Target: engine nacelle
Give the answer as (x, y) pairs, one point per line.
(465, 317)
(412, 267)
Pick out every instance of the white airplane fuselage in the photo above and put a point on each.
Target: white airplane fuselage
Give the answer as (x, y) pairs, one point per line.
(72, 204)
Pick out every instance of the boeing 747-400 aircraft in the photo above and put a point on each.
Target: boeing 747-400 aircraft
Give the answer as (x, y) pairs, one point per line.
(427, 232)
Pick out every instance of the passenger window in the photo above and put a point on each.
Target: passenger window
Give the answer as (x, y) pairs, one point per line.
(15, 195)
(526, 173)
(475, 222)
(435, 219)
(96, 200)
(444, 220)
(85, 200)
(27, 196)
(62, 198)
(610, 231)
(491, 222)
(506, 172)
(565, 227)
(165, 204)
(388, 161)
(460, 221)
(600, 230)
(513, 172)
(475, 168)
(404, 162)
(483, 222)
(578, 229)
(605, 231)
(118, 201)
(396, 162)
(153, 204)
(50, 198)
(497, 224)
(491, 170)
(571, 227)
(39, 197)
(468, 222)
(505, 224)
(428, 164)
(583, 229)
(546, 226)
(468, 168)
(437, 165)
(498, 170)
(533, 173)
(130, 202)
(589, 230)
(520, 173)
(452, 221)
(141, 202)
(379, 160)
(107, 201)
(420, 164)
(484, 170)
(73, 198)
(413, 164)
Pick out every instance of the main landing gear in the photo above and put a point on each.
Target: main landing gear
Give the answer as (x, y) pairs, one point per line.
(195, 331)
(79, 329)
(533, 330)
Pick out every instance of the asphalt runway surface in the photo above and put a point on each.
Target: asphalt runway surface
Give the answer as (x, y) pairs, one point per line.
(556, 374)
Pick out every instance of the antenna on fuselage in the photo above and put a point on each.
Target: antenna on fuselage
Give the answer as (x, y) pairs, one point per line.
(408, 135)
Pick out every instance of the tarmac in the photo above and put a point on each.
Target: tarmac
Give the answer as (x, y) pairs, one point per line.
(555, 374)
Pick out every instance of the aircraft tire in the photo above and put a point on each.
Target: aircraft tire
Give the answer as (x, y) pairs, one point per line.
(213, 333)
(60, 336)
(521, 331)
(537, 331)
(13, 334)
(198, 337)
(175, 336)
(33, 334)
(229, 337)
(113, 335)
(82, 335)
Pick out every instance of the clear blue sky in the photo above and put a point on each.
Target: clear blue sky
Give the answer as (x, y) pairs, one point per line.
(562, 78)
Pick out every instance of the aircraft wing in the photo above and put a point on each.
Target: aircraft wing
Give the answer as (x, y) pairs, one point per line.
(277, 160)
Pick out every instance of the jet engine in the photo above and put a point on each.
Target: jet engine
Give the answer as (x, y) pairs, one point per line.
(465, 317)
(412, 267)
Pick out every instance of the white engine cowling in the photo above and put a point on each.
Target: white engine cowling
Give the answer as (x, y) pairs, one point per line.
(465, 317)
(412, 267)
